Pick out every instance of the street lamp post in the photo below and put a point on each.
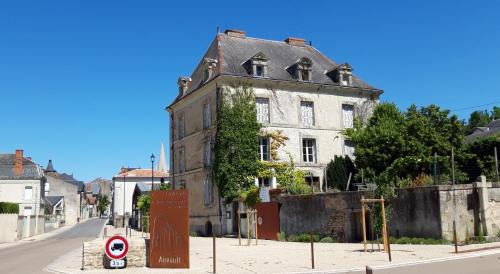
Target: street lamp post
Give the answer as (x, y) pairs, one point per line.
(123, 218)
(152, 172)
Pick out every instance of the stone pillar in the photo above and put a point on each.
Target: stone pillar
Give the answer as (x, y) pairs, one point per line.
(274, 184)
(484, 210)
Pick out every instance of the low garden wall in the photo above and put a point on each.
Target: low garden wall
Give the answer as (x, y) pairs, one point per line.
(94, 256)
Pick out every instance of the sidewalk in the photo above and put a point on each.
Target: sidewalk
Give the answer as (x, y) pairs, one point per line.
(286, 257)
(39, 237)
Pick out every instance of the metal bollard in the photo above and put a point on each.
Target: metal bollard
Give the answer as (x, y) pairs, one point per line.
(369, 270)
(214, 270)
(83, 257)
(312, 251)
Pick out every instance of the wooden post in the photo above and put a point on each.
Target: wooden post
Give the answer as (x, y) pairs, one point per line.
(384, 224)
(248, 226)
(239, 227)
(214, 254)
(363, 219)
(455, 240)
(83, 257)
(312, 251)
(369, 270)
(256, 222)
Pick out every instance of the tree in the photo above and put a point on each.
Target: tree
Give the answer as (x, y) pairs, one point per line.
(482, 161)
(143, 204)
(478, 118)
(236, 142)
(103, 203)
(338, 170)
(397, 145)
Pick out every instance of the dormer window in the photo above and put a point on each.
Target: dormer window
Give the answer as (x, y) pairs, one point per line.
(345, 74)
(258, 64)
(209, 67)
(183, 83)
(303, 69)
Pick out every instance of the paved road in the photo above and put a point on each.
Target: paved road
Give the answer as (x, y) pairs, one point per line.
(33, 257)
(489, 264)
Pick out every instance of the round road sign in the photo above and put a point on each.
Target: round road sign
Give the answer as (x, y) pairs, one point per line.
(116, 247)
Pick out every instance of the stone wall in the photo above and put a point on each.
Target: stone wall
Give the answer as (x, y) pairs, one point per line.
(8, 229)
(95, 258)
(426, 212)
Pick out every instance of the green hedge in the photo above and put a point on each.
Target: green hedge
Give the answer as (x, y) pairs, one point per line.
(9, 208)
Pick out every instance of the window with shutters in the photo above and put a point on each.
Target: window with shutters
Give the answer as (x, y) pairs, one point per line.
(349, 149)
(182, 160)
(264, 148)
(348, 116)
(206, 116)
(262, 110)
(307, 113)
(309, 150)
(28, 193)
(207, 187)
(180, 126)
(207, 153)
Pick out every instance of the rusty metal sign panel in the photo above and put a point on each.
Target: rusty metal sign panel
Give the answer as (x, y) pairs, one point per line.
(169, 244)
(268, 220)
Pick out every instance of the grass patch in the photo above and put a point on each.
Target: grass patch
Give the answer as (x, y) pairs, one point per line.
(415, 241)
(303, 238)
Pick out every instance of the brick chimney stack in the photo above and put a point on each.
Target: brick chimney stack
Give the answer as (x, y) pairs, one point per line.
(295, 41)
(18, 171)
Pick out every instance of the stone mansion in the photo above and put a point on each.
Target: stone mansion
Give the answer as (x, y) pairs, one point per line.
(298, 90)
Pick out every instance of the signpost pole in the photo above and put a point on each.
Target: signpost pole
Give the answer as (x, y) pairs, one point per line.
(214, 254)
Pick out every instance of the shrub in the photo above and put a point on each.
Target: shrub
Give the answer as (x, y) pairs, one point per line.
(9, 208)
(281, 237)
(415, 241)
(193, 234)
(303, 238)
(327, 240)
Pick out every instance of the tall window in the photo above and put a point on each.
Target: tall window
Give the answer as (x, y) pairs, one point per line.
(264, 148)
(348, 116)
(206, 116)
(182, 160)
(259, 65)
(207, 189)
(28, 193)
(309, 150)
(307, 113)
(264, 182)
(303, 69)
(207, 153)
(180, 126)
(262, 110)
(349, 149)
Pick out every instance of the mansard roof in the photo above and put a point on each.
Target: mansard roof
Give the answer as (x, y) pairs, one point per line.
(233, 52)
(31, 170)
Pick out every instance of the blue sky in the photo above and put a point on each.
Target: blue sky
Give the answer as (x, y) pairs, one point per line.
(85, 83)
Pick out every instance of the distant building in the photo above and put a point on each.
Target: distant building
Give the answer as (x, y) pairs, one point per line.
(299, 91)
(490, 129)
(62, 184)
(124, 187)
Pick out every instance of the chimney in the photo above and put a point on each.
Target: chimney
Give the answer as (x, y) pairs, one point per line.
(235, 33)
(18, 171)
(295, 41)
(123, 170)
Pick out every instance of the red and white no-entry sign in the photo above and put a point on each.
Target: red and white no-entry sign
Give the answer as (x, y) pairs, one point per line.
(116, 247)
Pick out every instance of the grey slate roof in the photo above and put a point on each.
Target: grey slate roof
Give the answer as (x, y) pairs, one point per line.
(232, 53)
(31, 170)
(65, 177)
(491, 129)
(52, 200)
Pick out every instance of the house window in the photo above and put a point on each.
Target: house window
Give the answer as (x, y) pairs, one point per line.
(27, 211)
(182, 184)
(349, 149)
(264, 182)
(259, 65)
(262, 110)
(207, 153)
(28, 193)
(307, 113)
(309, 150)
(264, 148)
(206, 116)
(346, 80)
(180, 126)
(182, 160)
(348, 116)
(303, 69)
(207, 190)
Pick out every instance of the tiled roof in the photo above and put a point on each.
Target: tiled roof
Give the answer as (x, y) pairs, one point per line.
(491, 129)
(232, 53)
(31, 170)
(143, 173)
